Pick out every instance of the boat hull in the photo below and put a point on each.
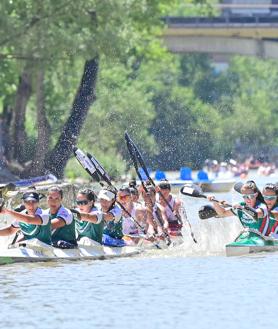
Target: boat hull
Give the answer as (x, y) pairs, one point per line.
(249, 242)
(218, 186)
(36, 251)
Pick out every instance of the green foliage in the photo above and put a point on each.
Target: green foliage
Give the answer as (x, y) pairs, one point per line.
(178, 109)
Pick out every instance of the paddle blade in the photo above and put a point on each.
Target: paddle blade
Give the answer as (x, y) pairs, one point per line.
(100, 170)
(85, 162)
(4, 189)
(192, 190)
(238, 186)
(206, 212)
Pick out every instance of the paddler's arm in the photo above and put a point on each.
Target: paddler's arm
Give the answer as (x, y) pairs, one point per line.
(274, 213)
(36, 220)
(220, 209)
(8, 230)
(95, 217)
(177, 207)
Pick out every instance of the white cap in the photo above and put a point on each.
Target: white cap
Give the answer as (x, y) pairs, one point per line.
(106, 195)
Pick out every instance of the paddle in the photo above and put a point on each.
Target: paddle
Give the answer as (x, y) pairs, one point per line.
(137, 157)
(5, 188)
(238, 186)
(132, 152)
(207, 211)
(194, 190)
(96, 171)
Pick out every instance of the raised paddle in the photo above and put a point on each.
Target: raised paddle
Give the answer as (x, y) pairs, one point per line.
(96, 171)
(137, 157)
(132, 152)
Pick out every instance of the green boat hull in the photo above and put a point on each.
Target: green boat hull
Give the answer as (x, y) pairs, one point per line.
(249, 242)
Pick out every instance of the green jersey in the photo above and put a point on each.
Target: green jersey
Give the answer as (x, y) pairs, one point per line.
(273, 223)
(89, 230)
(41, 232)
(66, 232)
(115, 228)
(260, 224)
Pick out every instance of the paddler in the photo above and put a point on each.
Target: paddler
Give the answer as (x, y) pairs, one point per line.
(171, 207)
(253, 200)
(33, 222)
(62, 221)
(270, 193)
(132, 217)
(92, 227)
(159, 223)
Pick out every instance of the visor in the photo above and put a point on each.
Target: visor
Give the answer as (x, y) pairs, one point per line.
(31, 196)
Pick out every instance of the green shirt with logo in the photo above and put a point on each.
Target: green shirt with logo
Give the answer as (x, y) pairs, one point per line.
(41, 232)
(90, 230)
(249, 222)
(66, 232)
(115, 228)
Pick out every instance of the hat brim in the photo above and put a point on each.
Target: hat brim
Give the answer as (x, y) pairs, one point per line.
(30, 199)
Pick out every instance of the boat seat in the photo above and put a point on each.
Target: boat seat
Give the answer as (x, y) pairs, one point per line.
(186, 173)
(160, 175)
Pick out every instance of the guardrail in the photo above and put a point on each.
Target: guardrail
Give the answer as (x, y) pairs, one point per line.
(172, 21)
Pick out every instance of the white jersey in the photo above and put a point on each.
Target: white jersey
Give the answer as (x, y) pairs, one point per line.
(129, 226)
(168, 210)
(63, 213)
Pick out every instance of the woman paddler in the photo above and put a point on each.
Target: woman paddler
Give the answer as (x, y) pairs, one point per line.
(92, 227)
(111, 214)
(270, 193)
(254, 201)
(33, 222)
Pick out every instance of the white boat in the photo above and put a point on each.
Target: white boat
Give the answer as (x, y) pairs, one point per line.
(216, 185)
(36, 251)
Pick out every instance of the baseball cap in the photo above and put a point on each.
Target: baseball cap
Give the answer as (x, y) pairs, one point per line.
(106, 195)
(31, 196)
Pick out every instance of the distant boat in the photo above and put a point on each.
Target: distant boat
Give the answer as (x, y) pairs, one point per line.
(207, 185)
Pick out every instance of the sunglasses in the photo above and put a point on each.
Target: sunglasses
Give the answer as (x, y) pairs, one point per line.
(269, 197)
(123, 197)
(249, 196)
(81, 202)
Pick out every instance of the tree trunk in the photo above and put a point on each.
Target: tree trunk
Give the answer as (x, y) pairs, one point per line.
(57, 160)
(5, 174)
(17, 129)
(42, 145)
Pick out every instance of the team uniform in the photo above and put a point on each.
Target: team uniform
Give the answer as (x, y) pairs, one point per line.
(30, 231)
(260, 224)
(113, 230)
(273, 223)
(174, 225)
(67, 232)
(90, 230)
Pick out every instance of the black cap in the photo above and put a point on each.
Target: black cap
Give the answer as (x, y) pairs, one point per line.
(31, 196)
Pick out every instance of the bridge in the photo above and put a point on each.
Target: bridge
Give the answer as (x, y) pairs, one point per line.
(254, 35)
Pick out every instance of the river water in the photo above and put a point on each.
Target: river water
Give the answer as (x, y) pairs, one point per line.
(193, 285)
